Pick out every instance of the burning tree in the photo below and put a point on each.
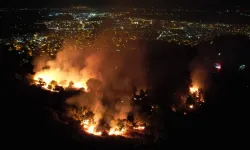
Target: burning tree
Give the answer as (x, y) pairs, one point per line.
(40, 82)
(52, 85)
(191, 101)
(106, 125)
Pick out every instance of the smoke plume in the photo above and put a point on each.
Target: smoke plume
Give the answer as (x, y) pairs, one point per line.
(201, 67)
(107, 75)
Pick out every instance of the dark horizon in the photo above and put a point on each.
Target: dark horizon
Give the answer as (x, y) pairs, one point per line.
(195, 4)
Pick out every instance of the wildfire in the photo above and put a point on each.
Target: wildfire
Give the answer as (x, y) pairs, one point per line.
(91, 129)
(193, 89)
(49, 79)
(97, 108)
(114, 131)
(139, 128)
(190, 101)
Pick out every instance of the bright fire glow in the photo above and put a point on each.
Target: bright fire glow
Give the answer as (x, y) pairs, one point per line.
(61, 78)
(191, 106)
(91, 129)
(53, 77)
(193, 89)
(139, 128)
(114, 131)
(71, 70)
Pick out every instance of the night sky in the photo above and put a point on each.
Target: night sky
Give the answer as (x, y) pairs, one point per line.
(136, 3)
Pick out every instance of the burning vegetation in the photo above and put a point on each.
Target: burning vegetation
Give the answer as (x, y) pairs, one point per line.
(99, 112)
(105, 126)
(190, 101)
(100, 115)
(192, 97)
(107, 102)
(105, 105)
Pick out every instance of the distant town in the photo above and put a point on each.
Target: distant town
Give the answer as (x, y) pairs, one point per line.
(82, 26)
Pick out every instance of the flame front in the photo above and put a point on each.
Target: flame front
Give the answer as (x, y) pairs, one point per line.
(50, 78)
(91, 129)
(114, 131)
(61, 78)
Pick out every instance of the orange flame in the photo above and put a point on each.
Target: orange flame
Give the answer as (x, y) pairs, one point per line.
(193, 89)
(114, 131)
(63, 79)
(139, 128)
(91, 129)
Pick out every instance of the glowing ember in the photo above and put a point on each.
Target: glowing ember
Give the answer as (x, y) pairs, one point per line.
(202, 99)
(191, 106)
(139, 128)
